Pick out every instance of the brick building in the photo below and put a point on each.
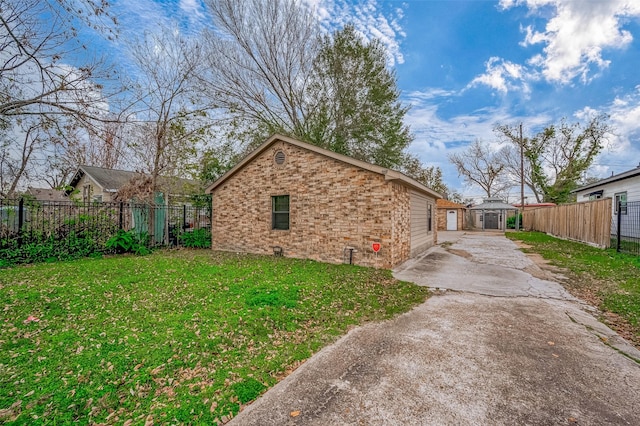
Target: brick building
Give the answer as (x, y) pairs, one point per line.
(312, 203)
(451, 216)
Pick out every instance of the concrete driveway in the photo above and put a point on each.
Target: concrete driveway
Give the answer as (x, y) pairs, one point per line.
(495, 345)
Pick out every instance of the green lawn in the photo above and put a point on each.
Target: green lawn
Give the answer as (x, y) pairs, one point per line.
(173, 337)
(611, 279)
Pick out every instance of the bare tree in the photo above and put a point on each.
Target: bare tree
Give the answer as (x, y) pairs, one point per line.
(37, 85)
(169, 122)
(260, 59)
(71, 145)
(19, 153)
(510, 157)
(482, 167)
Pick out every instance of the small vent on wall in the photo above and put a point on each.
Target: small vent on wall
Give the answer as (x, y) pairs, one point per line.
(279, 158)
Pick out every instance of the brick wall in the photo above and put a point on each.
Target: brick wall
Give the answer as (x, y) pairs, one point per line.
(400, 224)
(333, 205)
(442, 219)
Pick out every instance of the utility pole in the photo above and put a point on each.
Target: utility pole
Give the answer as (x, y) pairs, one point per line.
(521, 175)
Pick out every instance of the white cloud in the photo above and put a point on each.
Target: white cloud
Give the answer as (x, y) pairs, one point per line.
(193, 9)
(504, 76)
(435, 136)
(576, 35)
(369, 19)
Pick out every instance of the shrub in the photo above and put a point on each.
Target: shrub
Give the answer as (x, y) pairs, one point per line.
(198, 238)
(129, 242)
(511, 221)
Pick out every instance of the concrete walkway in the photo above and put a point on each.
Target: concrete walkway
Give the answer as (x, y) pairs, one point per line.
(494, 346)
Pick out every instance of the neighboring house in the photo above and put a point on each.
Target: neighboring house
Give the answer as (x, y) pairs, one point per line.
(622, 188)
(492, 214)
(99, 184)
(450, 215)
(292, 198)
(47, 194)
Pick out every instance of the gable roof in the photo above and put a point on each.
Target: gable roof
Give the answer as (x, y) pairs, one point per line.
(621, 176)
(446, 204)
(112, 180)
(390, 175)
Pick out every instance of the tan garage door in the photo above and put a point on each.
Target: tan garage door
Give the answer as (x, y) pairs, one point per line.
(420, 237)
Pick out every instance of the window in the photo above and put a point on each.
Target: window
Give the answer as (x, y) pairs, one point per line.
(280, 212)
(620, 202)
(596, 195)
(429, 217)
(86, 193)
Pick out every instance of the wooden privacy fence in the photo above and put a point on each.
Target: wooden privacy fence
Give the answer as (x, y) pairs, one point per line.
(588, 222)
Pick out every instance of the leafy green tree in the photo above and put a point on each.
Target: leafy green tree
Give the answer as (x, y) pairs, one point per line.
(557, 156)
(430, 176)
(358, 111)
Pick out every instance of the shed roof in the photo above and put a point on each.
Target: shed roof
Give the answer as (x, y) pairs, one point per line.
(390, 175)
(620, 176)
(446, 204)
(494, 204)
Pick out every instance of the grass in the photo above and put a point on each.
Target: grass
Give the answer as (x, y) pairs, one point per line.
(609, 279)
(174, 337)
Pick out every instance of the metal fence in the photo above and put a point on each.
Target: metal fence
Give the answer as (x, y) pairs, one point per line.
(625, 227)
(63, 223)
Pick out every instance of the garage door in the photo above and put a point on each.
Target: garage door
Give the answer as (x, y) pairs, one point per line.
(421, 239)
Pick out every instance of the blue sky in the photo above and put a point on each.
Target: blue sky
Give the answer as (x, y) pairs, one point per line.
(466, 65)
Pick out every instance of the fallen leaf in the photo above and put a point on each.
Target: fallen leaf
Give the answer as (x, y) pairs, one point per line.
(149, 420)
(551, 343)
(31, 318)
(295, 413)
(213, 407)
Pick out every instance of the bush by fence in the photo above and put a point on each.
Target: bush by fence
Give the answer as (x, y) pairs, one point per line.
(33, 231)
(589, 222)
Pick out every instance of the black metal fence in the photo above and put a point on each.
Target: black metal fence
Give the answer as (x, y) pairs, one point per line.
(625, 227)
(67, 226)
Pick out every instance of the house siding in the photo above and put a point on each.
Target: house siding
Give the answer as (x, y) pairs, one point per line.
(631, 186)
(95, 190)
(333, 206)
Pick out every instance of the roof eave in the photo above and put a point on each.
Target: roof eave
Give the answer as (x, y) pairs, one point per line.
(621, 176)
(390, 175)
